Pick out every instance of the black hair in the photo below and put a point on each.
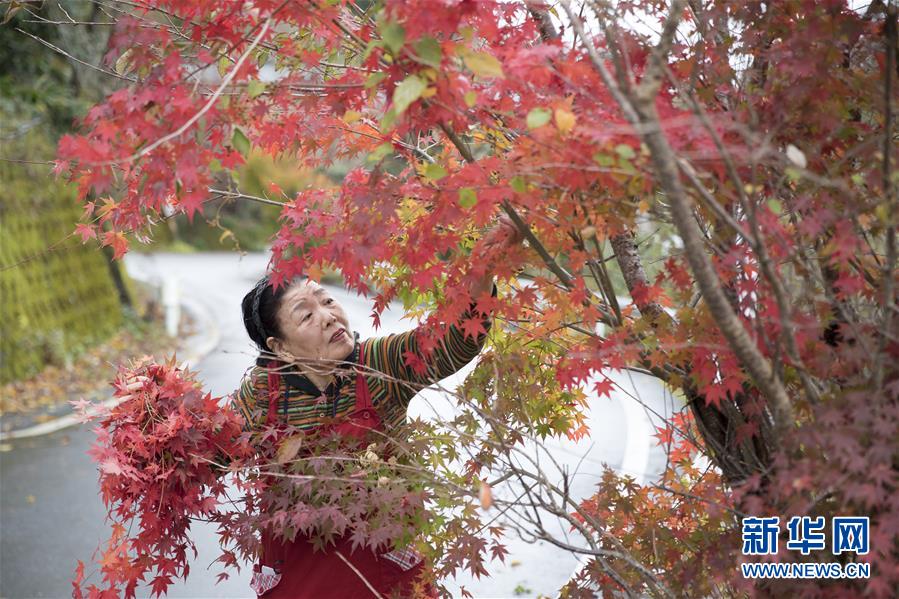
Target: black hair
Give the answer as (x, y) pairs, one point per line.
(260, 314)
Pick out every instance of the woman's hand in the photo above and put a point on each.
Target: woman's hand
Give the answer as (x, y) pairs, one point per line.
(503, 235)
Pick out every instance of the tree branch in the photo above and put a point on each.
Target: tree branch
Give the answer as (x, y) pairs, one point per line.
(212, 99)
(641, 112)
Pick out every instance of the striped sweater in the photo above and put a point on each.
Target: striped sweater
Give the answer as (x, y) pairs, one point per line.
(391, 381)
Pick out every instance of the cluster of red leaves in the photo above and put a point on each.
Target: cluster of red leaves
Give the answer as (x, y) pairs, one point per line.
(682, 525)
(160, 453)
(322, 487)
(163, 453)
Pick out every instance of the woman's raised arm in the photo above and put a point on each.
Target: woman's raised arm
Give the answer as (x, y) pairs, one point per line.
(453, 351)
(388, 354)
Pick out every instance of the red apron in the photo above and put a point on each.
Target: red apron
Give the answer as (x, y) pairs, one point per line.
(295, 571)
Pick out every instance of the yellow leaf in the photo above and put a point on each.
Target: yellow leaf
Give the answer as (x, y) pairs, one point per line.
(108, 205)
(429, 91)
(224, 64)
(483, 64)
(565, 120)
(351, 116)
(124, 62)
(289, 448)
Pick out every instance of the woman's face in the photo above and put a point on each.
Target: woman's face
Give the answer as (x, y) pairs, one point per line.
(313, 327)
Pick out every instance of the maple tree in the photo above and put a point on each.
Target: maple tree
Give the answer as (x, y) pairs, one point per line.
(760, 136)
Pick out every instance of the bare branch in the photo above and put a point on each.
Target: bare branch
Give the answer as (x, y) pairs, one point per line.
(78, 60)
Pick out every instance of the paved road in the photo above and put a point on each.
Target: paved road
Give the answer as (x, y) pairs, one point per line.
(50, 514)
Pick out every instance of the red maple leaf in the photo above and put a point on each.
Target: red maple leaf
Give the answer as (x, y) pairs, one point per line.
(118, 242)
(86, 232)
(414, 362)
(604, 387)
(473, 327)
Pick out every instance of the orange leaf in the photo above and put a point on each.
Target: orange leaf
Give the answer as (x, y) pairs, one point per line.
(485, 495)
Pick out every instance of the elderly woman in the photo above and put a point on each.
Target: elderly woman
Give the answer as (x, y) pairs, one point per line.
(311, 384)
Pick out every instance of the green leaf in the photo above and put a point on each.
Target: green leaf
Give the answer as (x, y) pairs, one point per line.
(408, 91)
(625, 151)
(603, 160)
(394, 36)
(379, 153)
(428, 51)
(483, 64)
(538, 117)
(224, 64)
(434, 172)
(467, 197)
(518, 184)
(627, 166)
(255, 88)
(470, 98)
(240, 142)
(374, 79)
(388, 120)
(215, 166)
(775, 206)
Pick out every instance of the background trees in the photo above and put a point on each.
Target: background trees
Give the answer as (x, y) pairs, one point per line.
(759, 138)
(54, 303)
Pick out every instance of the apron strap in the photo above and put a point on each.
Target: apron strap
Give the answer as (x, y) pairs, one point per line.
(274, 391)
